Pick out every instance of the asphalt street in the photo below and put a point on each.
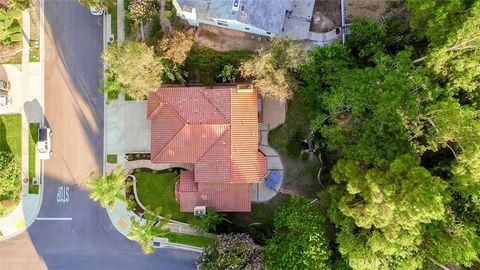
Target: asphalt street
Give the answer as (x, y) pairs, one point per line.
(73, 232)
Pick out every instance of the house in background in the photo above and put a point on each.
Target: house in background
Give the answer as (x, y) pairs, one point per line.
(261, 17)
(216, 130)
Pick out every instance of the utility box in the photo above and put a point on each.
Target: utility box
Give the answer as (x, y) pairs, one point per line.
(200, 210)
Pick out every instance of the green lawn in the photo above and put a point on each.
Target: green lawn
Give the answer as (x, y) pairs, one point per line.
(191, 240)
(34, 54)
(15, 60)
(10, 141)
(157, 191)
(31, 155)
(10, 134)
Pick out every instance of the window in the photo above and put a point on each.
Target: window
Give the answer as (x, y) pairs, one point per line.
(222, 23)
(246, 28)
(269, 33)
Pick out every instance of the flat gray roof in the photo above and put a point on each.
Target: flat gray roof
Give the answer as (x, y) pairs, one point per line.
(264, 14)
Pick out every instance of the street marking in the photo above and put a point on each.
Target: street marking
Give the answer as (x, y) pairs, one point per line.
(20, 224)
(62, 194)
(53, 218)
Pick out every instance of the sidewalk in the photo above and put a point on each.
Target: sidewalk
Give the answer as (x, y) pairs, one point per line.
(28, 100)
(121, 220)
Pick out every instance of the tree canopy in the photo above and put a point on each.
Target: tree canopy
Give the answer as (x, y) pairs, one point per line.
(231, 251)
(300, 242)
(136, 67)
(106, 189)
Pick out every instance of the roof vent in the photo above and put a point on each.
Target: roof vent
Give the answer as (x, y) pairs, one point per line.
(245, 88)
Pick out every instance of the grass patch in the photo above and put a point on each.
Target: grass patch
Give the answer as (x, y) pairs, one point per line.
(11, 134)
(157, 194)
(10, 141)
(34, 54)
(204, 64)
(32, 142)
(190, 240)
(112, 11)
(112, 159)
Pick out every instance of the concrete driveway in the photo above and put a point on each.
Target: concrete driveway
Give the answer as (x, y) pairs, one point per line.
(128, 129)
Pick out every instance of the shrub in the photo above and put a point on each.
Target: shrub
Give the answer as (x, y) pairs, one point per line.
(168, 13)
(141, 10)
(10, 182)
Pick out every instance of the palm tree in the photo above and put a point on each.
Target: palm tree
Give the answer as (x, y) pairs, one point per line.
(229, 73)
(106, 189)
(144, 234)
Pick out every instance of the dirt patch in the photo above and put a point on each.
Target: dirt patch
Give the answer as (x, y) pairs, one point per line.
(372, 9)
(34, 20)
(222, 39)
(326, 16)
(9, 52)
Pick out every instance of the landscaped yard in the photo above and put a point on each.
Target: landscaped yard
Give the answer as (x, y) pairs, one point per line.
(31, 155)
(10, 134)
(10, 144)
(157, 194)
(191, 240)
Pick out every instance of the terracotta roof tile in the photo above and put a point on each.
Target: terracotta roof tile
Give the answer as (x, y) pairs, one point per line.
(217, 131)
(216, 157)
(162, 134)
(190, 143)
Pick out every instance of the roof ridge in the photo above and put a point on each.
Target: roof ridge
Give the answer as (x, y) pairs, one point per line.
(184, 124)
(213, 105)
(154, 112)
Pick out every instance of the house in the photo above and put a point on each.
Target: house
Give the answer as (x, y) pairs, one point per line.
(261, 17)
(216, 130)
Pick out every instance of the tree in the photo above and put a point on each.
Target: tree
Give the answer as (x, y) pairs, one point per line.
(136, 67)
(10, 30)
(231, 251)
(141, 10)
(299, 241)
(367, 38)
(10, 181)
(272, 70)
(456, 62)
(106, 189)
(229, 73)
(386, 211)
(176, 46)
(371, 104)
(145, 231)
(99, 4)
(208, 222)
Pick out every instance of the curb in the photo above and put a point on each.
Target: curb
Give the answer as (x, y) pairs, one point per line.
(28, 223)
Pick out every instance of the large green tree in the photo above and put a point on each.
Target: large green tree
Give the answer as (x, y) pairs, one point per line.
(299, 241)
(273, 69)
(136, 67)
(384, 212)
(10, 30)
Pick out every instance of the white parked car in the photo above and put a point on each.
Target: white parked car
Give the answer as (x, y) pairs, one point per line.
(44, 144)
(4, 85)
(96, 11)
(5, 100)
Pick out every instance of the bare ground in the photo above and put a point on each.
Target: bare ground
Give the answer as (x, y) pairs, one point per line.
(326, 16)
(34, 19)
(372, 9)
(222, 39)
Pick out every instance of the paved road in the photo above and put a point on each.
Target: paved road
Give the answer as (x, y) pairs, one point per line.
(74, 111)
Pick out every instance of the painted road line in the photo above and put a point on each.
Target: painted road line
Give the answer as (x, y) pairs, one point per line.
(53, 218)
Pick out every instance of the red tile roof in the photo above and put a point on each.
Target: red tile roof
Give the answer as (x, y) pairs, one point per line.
(3, 3)
(217, 131)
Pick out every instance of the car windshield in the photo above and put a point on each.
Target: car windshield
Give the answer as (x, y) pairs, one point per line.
(42, 134)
